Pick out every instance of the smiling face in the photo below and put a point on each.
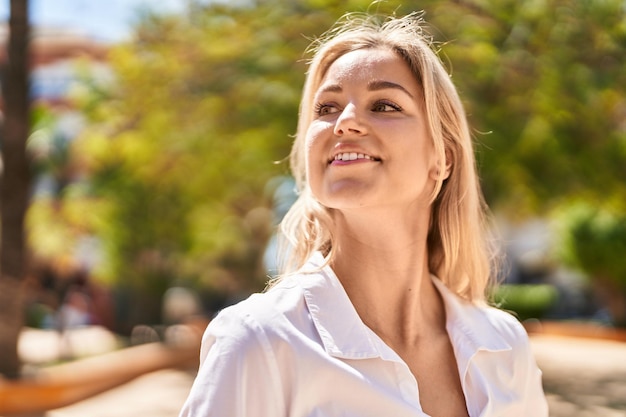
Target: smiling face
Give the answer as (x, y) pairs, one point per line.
(368, 142)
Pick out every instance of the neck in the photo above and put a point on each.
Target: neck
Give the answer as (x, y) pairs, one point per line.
(383, 265)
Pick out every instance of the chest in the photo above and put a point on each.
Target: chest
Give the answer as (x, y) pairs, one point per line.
(326, 386)
(369, 387)
(434, 366)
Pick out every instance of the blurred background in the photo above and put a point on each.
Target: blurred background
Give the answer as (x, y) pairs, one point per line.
(144, 163)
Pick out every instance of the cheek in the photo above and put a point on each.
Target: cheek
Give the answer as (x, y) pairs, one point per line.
(314, 148)
(316, 131)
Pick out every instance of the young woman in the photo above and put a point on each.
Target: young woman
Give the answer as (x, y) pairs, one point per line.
(381, 310)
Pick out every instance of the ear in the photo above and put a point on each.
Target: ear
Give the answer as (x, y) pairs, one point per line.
(447, 168)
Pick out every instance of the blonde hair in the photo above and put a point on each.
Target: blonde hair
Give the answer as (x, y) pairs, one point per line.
(457, 248)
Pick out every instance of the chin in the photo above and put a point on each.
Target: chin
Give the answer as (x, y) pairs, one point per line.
(344, 202)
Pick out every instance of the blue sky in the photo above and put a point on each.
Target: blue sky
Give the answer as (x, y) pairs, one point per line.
(105, 20)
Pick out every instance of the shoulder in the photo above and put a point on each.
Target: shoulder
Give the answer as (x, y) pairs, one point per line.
(524, 376)
(485, 325)
(274, 316)
(506, 325)
(499, 329)
(279, 302)
(261, 316)
(246, 343)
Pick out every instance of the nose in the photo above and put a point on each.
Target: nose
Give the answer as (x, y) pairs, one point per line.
(349, 122)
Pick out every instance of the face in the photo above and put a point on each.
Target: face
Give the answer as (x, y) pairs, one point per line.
(368, 144)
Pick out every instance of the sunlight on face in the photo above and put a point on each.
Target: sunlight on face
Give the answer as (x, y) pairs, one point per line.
(368, 145)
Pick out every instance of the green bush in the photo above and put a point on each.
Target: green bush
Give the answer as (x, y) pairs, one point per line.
(526, 301)
(593, 239)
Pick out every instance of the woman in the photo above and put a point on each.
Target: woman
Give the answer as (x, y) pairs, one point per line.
(382, 312)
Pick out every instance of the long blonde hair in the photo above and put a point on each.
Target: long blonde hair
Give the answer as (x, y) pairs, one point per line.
(457, 249)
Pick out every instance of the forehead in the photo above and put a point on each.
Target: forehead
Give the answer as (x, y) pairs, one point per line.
(366, 65)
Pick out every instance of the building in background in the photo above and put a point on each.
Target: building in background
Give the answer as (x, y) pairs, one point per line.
(56, 54)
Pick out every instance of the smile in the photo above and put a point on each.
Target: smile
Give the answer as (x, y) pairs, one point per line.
(353, 156)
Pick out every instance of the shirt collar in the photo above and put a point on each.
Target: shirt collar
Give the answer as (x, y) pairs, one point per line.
(469, 326)
(342, 331)
(344, 334)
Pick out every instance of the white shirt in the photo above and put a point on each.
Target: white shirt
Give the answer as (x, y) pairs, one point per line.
(301, 350)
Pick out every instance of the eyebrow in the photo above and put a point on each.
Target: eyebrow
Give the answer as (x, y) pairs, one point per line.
(383, 85)
(371, 86)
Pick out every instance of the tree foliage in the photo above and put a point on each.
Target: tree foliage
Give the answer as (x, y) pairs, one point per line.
(545, 87)
(181, 145)
(592, 238)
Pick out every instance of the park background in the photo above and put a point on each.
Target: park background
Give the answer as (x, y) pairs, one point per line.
(153, 168)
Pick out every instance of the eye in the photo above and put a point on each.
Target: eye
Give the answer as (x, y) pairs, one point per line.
(322, 109)
(385, 106)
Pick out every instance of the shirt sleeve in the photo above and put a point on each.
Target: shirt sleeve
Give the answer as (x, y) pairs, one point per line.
(505, 378)
(528, 376)
(238, 375)
(534, 396)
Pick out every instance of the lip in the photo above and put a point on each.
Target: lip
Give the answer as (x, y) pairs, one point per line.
(345, 156)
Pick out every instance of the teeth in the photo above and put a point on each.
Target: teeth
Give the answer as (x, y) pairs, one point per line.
(351, 156)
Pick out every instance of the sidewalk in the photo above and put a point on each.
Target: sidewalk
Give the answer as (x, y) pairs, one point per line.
(582, 378)
(105, 370)
(158, 394)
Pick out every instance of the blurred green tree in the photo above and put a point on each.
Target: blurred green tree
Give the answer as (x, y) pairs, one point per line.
(180, 148)
(544, 83)
(593, 239)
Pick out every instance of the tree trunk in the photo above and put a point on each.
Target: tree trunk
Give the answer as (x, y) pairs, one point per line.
(15, 187)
